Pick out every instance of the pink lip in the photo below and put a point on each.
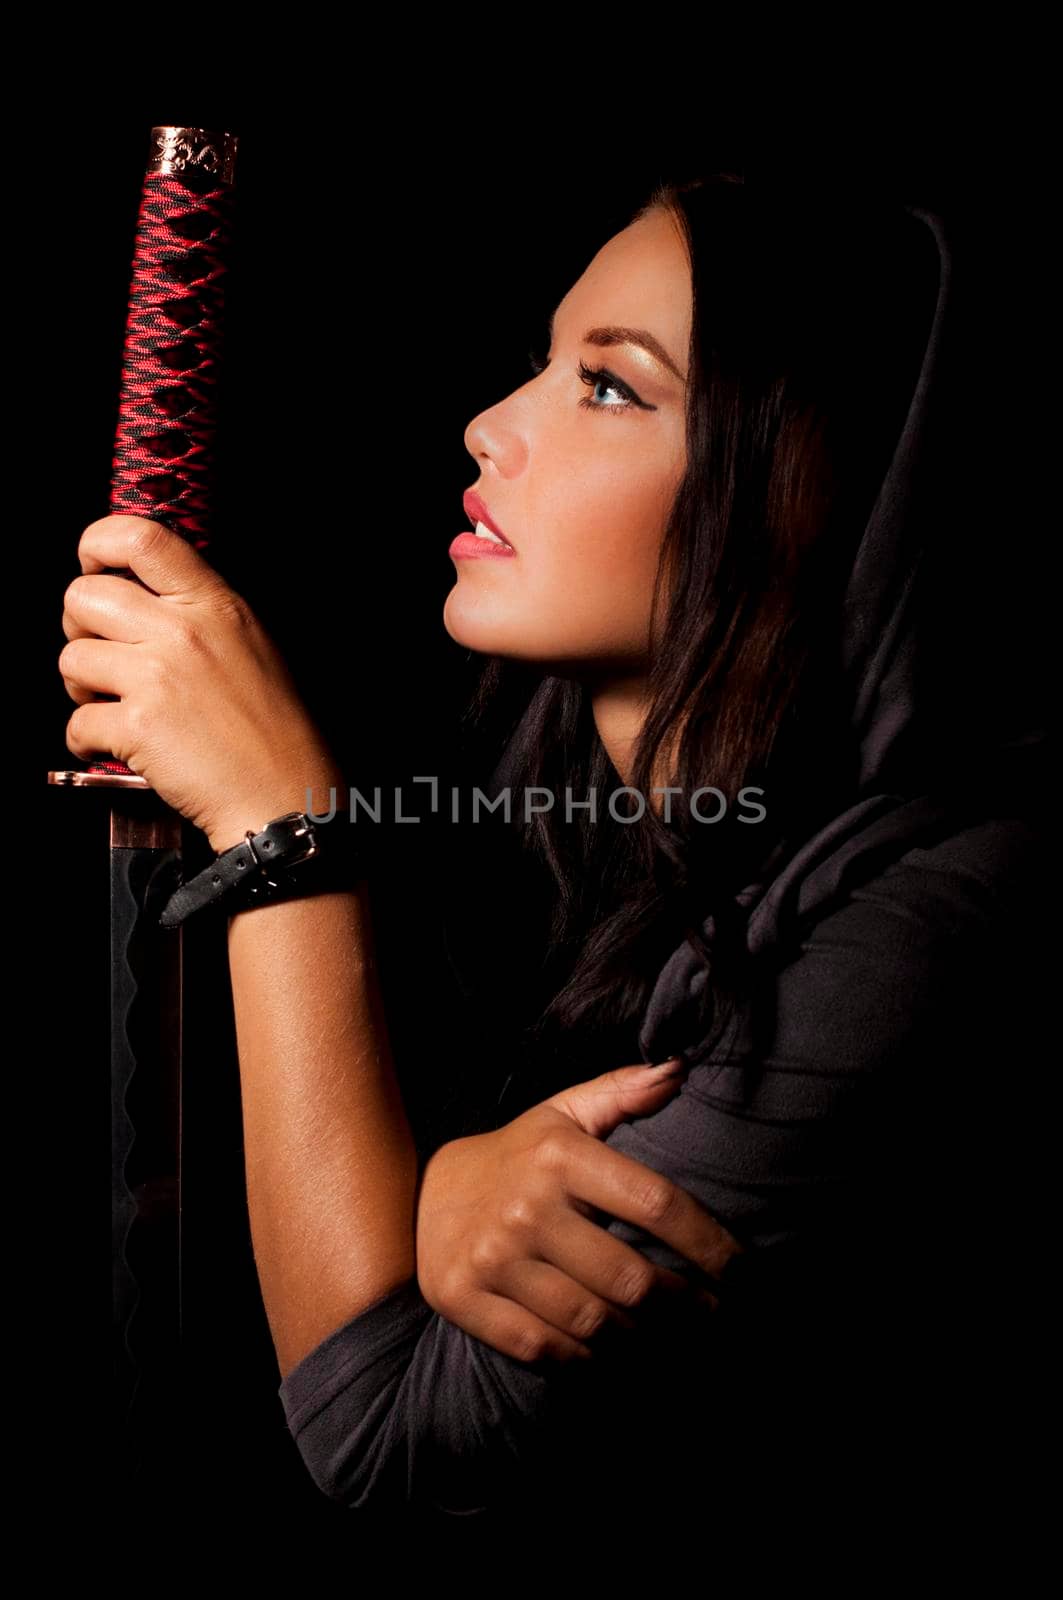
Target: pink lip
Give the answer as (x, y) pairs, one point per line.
(468, 545)
(478, 512)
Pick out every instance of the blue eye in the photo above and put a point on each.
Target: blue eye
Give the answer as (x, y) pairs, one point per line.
(593, 376)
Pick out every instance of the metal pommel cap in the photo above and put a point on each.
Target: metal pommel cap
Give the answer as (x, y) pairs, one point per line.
(177, 151)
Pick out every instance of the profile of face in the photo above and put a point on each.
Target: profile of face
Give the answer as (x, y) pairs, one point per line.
(579, 468)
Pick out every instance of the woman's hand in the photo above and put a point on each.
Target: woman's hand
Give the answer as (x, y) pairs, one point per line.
(504, 1245)
(206, 710)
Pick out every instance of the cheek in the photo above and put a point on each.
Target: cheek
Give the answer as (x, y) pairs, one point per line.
(588, 581)
(611, 529)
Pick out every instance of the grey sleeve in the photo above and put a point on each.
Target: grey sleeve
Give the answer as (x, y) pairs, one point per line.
(401, 1407)
(825, 1142)
(856, 1051)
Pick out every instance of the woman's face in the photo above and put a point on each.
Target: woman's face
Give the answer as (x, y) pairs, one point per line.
(579, 474)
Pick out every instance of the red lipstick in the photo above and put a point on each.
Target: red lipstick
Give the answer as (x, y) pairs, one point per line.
(479, 544)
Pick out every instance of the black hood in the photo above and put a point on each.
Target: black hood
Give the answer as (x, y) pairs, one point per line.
(944, 720)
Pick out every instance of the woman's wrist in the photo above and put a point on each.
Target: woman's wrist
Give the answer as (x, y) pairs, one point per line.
(319, 795)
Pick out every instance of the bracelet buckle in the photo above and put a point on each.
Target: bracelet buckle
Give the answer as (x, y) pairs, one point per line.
(291, 857)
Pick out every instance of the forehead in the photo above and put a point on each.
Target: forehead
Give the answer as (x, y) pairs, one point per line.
(641, 275)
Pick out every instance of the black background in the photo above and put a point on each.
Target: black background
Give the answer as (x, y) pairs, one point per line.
(393, 260)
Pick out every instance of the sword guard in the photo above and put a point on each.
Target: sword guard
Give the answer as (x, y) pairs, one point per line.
(98, 780)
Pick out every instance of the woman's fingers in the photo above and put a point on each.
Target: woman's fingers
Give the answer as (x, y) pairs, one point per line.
(95, 729)
(107, 606)
(516, 1331)
(589, 1267)
(164, 561)
(534, 1311)
(609, 1181)
(94, 666)
(600, 1104)
(557, 1300)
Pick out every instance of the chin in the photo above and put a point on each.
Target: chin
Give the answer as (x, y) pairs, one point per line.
(491, 629)
(468, 620)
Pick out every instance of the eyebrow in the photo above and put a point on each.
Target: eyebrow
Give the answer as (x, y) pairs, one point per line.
(636, 336)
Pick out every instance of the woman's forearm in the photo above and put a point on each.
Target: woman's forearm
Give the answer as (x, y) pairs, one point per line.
(331, 1163)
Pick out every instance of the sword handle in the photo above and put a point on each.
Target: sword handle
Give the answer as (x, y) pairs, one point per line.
(163, 461)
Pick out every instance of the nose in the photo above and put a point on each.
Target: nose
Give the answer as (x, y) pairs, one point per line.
(495, 435)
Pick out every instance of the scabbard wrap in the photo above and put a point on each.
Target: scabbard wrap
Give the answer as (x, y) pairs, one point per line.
(164, 445)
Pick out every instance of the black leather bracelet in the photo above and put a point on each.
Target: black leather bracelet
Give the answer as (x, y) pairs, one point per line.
(290, 857)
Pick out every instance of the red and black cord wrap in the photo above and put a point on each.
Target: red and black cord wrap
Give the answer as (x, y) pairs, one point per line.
(164, 446)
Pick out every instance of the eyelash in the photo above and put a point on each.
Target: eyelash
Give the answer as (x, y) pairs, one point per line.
(593, 376)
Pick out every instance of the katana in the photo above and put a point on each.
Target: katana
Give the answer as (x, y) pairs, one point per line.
(163, 470)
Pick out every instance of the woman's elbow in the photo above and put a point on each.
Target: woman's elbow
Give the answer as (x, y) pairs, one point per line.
(361, 1465)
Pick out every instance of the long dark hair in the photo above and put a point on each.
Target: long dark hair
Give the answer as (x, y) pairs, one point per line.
(810, 315)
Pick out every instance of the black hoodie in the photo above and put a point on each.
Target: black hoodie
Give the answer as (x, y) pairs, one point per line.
(855, 1127)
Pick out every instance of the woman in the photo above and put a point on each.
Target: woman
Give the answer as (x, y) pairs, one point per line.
(755, 642)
